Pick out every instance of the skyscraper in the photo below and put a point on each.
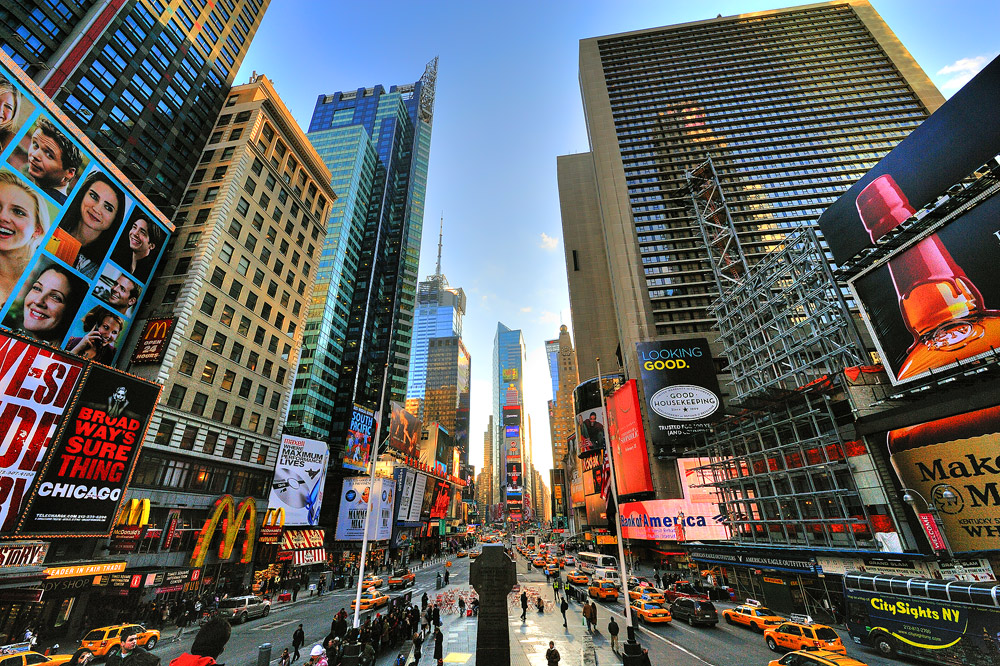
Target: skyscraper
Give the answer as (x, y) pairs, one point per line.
(376, 142)
(446, 394)
(487, 482)
(440, 309)
(563, 410)
(510, 461)
(793, 106)
(552, 356)
(145, 79)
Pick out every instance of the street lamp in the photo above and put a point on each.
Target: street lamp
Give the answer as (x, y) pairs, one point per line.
(947, 494)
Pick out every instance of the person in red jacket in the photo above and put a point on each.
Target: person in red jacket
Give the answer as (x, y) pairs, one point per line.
(208, 644)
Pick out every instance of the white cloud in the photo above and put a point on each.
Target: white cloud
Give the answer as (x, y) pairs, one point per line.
(961, 71)
(527, 308)
(548, 242)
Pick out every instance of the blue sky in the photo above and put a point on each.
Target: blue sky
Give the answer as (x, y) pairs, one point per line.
(508, 102)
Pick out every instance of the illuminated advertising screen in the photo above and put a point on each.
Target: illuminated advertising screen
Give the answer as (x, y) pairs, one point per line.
(417, 499)
(442, 497)
(299, 478)
(681, 389)
(358, 447)
(956, 139)
(84, 477)
(514, 477)
(693, 518)
(512, 432)
(353, 513)
(153, 341)
(86, 233)
(512, 416)
(597, 511)
(952, 462)
(513, 449)
(628, 442)
(936, 303)
(404, 431)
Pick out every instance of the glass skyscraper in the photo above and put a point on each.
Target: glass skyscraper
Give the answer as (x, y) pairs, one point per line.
(144, 79)
(511, 460)
(376, 143)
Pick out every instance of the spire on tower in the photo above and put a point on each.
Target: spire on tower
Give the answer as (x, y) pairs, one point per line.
(440, 242)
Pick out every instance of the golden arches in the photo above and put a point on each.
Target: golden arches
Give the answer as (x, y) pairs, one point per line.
(135, 512)
(224, 510)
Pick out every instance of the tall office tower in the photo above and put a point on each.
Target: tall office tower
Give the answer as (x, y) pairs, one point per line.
(510, 462)
(793, 106)
(440, 309)
(376, 142)
(563, 409)
(446, 394)
(552, 356)
(145, 79)
(232, 302)
(487, 482)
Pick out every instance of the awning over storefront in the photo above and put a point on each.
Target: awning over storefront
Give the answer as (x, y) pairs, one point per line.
(304, 546)
(312, 556)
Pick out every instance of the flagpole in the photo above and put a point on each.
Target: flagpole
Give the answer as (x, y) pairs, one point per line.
(613, 484)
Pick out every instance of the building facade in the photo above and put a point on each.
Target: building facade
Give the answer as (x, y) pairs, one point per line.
(144, 79)
(511, 463)
(447, 390)
(563, 409)
(487, 482)
(376, 143)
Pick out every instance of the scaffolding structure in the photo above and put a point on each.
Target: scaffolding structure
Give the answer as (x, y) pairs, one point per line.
(782, 473)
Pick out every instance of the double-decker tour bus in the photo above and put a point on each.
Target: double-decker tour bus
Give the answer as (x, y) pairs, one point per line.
(940, 621)
(589, 562)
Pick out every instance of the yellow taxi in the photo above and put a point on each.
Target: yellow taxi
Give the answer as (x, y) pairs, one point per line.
(473, 554)
(552, 569)
(539, 562)
(578, 578)
(28, 658)
(462, 553)
(650, 612)
(107, 640)
(801, 633)
(753, 615)
(371, 598)
(371, 581)
(647, 594)
(815, 658)
(603, 589)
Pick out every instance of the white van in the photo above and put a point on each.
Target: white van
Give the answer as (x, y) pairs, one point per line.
(602, 573)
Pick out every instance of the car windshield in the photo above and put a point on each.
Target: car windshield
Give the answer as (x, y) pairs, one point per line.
(826, 634)
(95, 635)
(761, 610)
(705, 605)
(231, 603)
(654, 607)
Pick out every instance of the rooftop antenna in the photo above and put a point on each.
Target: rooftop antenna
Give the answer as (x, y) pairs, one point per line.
(440, 242)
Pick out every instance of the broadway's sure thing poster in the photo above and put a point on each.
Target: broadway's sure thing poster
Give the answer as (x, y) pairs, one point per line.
(299, 477)
(682, 391)
(78, 264)
(80, 488)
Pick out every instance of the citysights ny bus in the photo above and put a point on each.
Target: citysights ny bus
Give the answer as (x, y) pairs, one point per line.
(590, 562)
(941, 621)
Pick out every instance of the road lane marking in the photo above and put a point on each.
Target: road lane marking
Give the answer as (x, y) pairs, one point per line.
(648, 632)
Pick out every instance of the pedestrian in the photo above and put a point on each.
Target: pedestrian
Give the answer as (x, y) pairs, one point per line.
(552, 655)
(418, 641)
(208, 644)
(613, 632)
(555, 589)
(436, 615)
(285, 659)
(524, 605)
(130, 653)
(446, 575)
(317, 656)
(298, 640)
(322, 584)
(295, 590)
(182, 618)
(438, 644)
(461, 607)
(656, 578)
(563, 607)
(423, 601)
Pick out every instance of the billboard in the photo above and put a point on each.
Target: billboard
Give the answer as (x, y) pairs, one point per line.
(153, 341)
(85, 474)
(404, 431)
(299, 477)
(628, 442)
(36, 386)
(512, 416)
(512, 432)
(956, 139)
(358, 447)
(937, 302)
(77, 263)
(354, 497)
(597, 511)
(956, 454)
(515, 479)
(513, 449)
(682, 392)
(441, 499)
(417, 500)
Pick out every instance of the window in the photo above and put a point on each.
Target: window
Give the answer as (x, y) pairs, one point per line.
(258, 336)
(227, 315)
(208, 372)
(237, 419)
(176, 397)
(261, 395)
(219, 343)
(268, 431)
(227, 253)
(235, 228)
(252, 360)
(165, 432)
(227, 154)
(244, 264)
(235, 289)
(227, 380)
(281, 376)
(211, 439)
(192, 240)
(266, 371)
(250, 243)
(236, 353)
(198, 332)
(188, 364)
(275, 399)
(236, 133)
(183, 264)
(262, 454)
(199, 403)
(265, 311)
(242, 116)
(258, 277)
(218, 277)
(211, 194)
(251, 301)
(245, 387)
(247, 447)
(244, 327)
(229, 448)
(243, 207)
(208, 304)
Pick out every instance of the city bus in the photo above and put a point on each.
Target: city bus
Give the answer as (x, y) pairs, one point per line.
(589, 562)
(940, 621)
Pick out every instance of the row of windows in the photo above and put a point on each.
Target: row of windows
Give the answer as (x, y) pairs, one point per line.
(157, 471)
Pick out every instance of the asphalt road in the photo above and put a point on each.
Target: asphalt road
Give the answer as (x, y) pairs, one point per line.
(314, 613)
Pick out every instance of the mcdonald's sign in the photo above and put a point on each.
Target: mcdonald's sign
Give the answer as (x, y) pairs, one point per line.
(270, 529)
(232, 518)
(130, 527)
(153, 340)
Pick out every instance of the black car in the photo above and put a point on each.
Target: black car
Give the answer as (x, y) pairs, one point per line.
(694, 611)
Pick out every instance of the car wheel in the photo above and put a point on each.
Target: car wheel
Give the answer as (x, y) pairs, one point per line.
(729, 619)
(151, 643)
(267, 610)
(884, 645)
(756, 627)
(690, 620)
(771, 645)
(243, 618)
(113, 651)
